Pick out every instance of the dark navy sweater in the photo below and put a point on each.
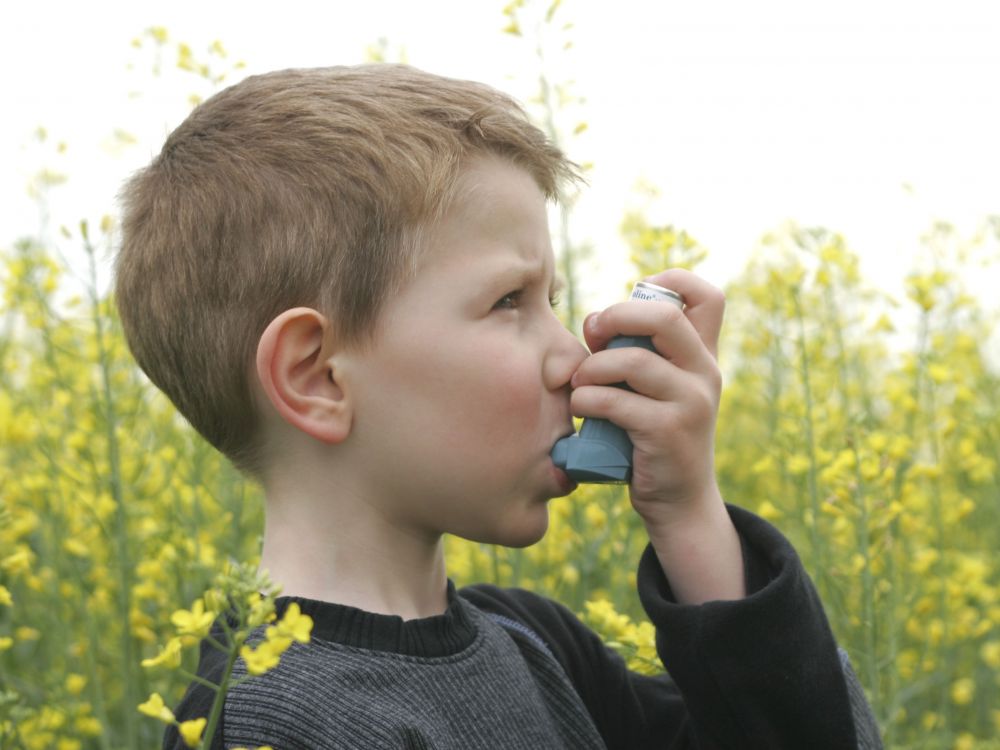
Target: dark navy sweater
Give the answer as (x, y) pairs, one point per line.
(506, 668)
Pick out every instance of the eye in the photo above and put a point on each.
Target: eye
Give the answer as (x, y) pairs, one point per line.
(510, 301)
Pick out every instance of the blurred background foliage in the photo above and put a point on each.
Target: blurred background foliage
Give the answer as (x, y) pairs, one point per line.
(872, 445)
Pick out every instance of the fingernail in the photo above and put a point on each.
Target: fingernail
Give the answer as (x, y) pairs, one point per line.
(592, 321)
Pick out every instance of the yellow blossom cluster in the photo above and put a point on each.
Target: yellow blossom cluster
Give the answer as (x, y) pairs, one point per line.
(112, 513)
(873, 445)
(246, 597)
(636, 642)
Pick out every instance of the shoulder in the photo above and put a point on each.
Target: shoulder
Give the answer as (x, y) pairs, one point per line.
(577, 648)
(548, 618)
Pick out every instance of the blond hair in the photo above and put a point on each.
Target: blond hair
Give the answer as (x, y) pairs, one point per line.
(295, 188)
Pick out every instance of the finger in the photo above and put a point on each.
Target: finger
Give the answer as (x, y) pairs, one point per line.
(704, 304)
(644, 371)
(672, 333)
(640, 415)
(628, 410)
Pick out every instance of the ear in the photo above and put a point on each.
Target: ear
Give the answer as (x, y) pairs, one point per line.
(295, 372)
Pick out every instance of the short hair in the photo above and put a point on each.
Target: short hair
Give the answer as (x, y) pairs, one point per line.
(305, 187)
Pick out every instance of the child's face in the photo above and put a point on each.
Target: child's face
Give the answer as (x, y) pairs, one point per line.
(467, 387)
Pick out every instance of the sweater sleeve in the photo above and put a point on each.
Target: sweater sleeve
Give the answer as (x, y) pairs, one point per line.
(761, 672)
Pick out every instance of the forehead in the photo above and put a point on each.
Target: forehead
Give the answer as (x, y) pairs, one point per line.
(497, 214)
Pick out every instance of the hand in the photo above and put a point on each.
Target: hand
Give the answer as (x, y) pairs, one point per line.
(671, 416)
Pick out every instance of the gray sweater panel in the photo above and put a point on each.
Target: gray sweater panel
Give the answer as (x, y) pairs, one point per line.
(504, 690)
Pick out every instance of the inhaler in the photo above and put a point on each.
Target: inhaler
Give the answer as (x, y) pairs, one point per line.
(602, 451)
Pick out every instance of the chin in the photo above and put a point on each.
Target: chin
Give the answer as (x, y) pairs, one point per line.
(521, 531)
(529, 532)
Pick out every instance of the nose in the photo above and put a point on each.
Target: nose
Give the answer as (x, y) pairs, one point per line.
(564, 355)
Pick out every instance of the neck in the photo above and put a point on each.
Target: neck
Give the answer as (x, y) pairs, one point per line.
(343, 550)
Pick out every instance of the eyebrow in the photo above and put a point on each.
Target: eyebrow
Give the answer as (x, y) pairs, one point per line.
(521, 275)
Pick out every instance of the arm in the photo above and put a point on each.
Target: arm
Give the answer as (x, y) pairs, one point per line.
(670, 416)
(700, 552)
(763, 671)
(694, 554)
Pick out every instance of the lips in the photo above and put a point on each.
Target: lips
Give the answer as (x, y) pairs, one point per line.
(562, 479)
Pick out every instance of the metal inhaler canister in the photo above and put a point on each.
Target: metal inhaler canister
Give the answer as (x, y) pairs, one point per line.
(602, 451)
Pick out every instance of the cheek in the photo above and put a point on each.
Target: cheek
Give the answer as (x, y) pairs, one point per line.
(507, 388)
(464, 394)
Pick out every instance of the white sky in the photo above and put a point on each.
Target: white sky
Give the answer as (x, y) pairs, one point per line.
(743, 114)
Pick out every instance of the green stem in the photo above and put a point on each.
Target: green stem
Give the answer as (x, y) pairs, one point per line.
(220, 696)
(94, 683)
(924, 388)
(861, 501)
(121, 524)
(200, 680)
(819, 548)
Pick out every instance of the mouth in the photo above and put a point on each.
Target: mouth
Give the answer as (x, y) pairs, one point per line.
(568, 433)
(562, 480)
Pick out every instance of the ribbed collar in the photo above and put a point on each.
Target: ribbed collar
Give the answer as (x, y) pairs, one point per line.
(438, 635)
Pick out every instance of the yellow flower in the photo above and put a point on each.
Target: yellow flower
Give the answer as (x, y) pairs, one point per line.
(608, 622)
(89, 726)
(261, 610)
(156, 709)
(768, 511)
(990, 653)
(295, 625)
(962, 691)
(5, 597)
(6, 643)
(76, 548)
(26, 633)
(169, 656)
(18, 562)
(570, 574)
(923, 560)
(259, 660)
(798, 464)
(191, 730)
(75, 683)
(595, 515)
(194, 622)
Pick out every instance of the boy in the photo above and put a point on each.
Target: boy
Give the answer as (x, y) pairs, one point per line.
(343, 278)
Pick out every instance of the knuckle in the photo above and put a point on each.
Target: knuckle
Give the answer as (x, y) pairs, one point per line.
(634, 358)
(593, 400)
(670, 313)
(706, 402)
(714, 294)
(714, 377)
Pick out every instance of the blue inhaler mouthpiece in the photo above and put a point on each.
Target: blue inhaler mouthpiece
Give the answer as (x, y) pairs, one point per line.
(602, 452)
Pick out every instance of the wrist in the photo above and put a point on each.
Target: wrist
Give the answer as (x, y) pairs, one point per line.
(699, 550)
(700, 509)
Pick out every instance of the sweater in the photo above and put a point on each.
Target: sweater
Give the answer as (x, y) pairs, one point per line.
(507, 668)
